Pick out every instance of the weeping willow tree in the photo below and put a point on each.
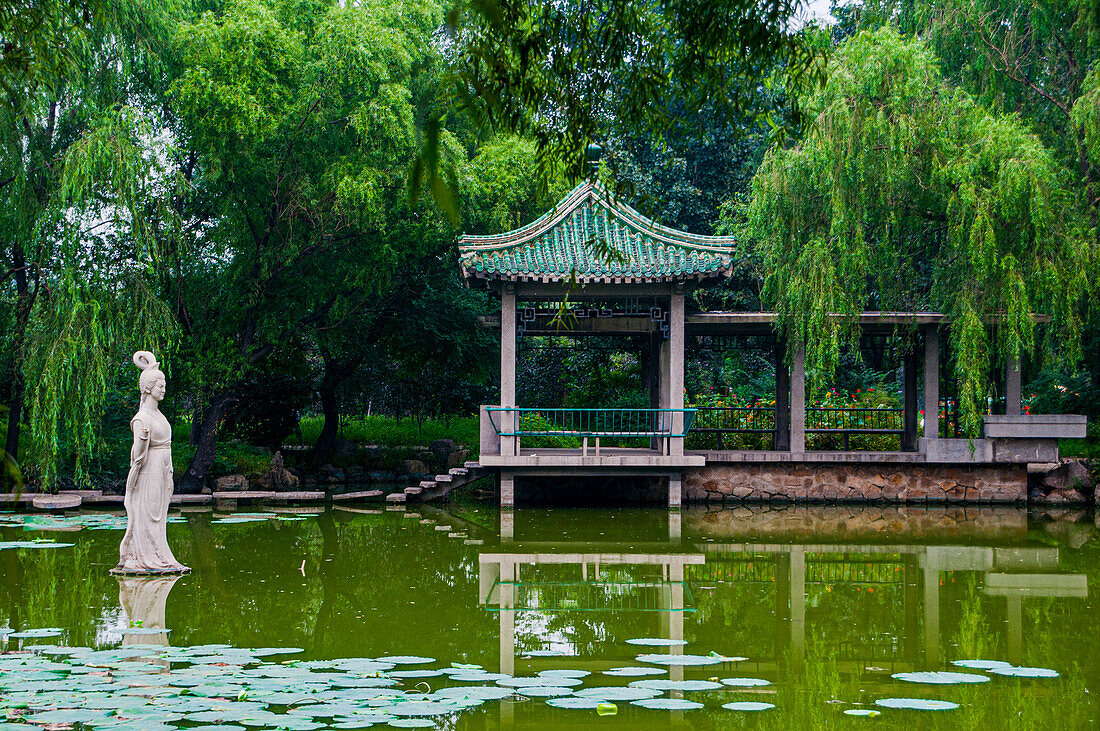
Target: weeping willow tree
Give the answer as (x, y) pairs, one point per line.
(100, 240)
(906, 194)
(84, 209)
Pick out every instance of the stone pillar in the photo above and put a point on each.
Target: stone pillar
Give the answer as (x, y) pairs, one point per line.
(931, 382)
(664, 360)
(1014, 629)
(653, 384)
(1013, 388)
(675, 489)
(508, 445)
(509, 573)
(676, 345)
(507, 489)
(798, 603)
(672, 617)
(909, 401)
(507, 526)
(931, 616)
(781, 440)
(798, 400)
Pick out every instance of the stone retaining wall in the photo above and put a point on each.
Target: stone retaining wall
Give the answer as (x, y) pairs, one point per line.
(910, 483)
(770, 523)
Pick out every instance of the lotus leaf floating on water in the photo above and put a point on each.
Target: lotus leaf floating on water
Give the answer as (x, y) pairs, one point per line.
(1018, 672)
(916, 704)
(940, 677)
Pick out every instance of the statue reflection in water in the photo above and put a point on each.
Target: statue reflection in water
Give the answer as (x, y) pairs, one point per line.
(143, 601)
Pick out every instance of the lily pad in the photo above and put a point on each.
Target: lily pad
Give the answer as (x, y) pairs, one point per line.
(33, 544)
(666, 684)
(40, 632)
(422, 708)
(745, 682)
(981, 664)
(668, 704)
(406, 659)
(683, 659)
(575, 703)
(564, 673)
(868, 712)
(916, 704)
(538, 680)
(617, 693)
(941, 677)
(656, 642)
(634, 671)
(748, 706)
(1018, 672)
(361, 665)
(412, 723)
(480, 692)
(544, 691)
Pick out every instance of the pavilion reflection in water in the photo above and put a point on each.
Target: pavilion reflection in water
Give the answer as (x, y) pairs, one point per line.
(555, 578)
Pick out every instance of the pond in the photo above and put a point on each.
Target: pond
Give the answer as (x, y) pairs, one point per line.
(784, 617)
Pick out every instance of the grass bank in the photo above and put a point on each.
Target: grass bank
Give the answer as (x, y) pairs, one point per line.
(388, 431)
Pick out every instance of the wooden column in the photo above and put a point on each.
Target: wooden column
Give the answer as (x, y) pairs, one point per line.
(781, 440)
(676, 344)
(508, 446)
(909, 401)
(931, 382)
(1013, 388)
(798, 400)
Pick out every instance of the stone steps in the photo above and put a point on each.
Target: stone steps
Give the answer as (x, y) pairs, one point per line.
(395, 497)
(440, 485)
(413, 490)
(360, 495)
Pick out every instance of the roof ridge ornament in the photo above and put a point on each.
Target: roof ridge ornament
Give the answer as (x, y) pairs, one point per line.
(592, 155)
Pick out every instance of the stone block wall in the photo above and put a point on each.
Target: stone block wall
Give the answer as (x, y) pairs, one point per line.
(855, 523)
(823, 482)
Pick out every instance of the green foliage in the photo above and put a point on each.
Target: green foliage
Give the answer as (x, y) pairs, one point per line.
(388, 431)
(904, 195)
(84, 215)
(565, 74)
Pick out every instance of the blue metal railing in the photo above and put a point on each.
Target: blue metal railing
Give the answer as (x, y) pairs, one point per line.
(535, 422)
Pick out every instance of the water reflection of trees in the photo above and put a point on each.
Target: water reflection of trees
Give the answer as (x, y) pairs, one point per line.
(369, 585)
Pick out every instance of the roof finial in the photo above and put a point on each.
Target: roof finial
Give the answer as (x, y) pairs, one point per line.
(592, 154)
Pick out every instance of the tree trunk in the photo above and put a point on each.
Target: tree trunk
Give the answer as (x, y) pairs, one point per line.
(14, 416)
(330, 407)
(196, 423)
(194, 479)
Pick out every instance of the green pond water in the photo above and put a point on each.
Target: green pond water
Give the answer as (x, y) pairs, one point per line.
(472, 619)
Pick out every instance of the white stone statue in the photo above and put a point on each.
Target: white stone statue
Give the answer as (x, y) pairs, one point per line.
(144, 548)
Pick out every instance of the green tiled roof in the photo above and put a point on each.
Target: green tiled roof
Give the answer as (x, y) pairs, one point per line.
(563, 242)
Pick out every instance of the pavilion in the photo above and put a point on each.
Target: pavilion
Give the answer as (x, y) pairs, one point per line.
(594, 266)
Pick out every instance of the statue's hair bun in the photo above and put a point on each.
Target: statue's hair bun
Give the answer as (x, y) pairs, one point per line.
(145, 360)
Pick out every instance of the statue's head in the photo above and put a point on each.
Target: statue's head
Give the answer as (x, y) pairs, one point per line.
(152, 380)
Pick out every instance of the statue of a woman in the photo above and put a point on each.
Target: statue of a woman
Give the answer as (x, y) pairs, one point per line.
(144, 548)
